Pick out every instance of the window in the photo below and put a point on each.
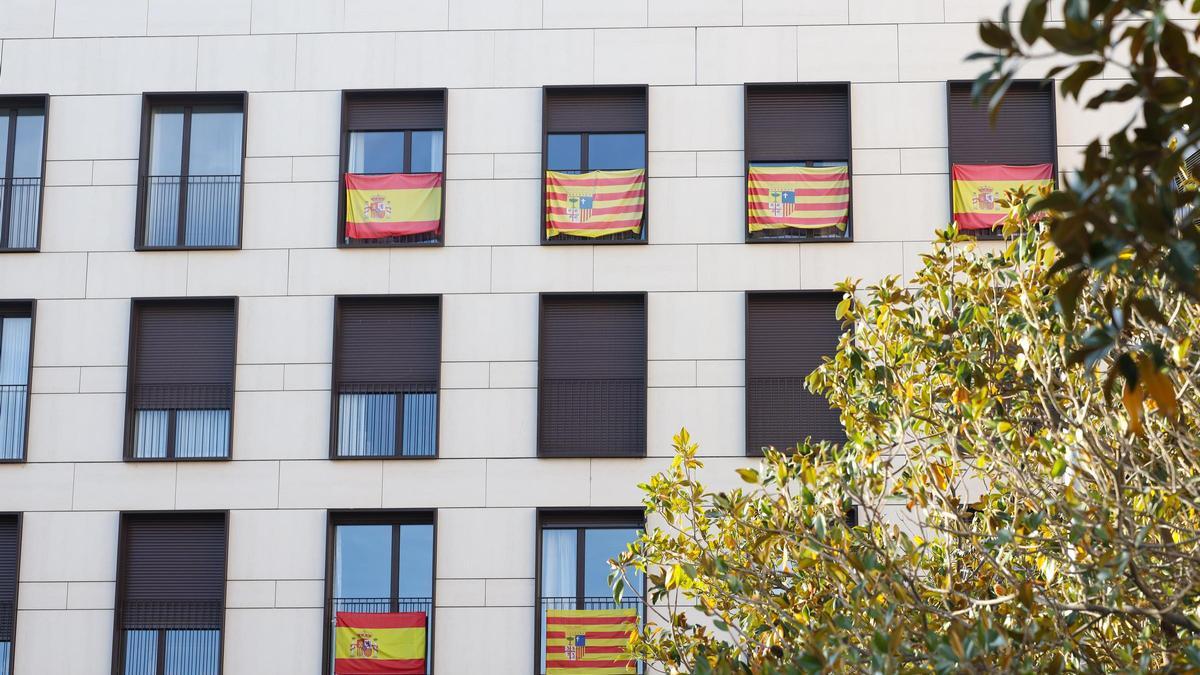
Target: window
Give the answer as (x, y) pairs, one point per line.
(594, 150)
(798, 162)
(16, 344)
(1021, 149)
(393, 151)
(387, 360)
(22, 163)
(170, 608)
(381, 566)
(574, 548)
(592, 376)
(787, 336)
(191, 171)
(181, 364)
(10, 540)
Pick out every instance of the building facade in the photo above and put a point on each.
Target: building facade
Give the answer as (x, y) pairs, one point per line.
(321, 306)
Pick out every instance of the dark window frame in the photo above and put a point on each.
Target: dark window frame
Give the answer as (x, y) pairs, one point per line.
(335, 381)
(349, 96)
(1032, 83)
(581, 518)
(747, 160)
(395, 518)
(12, 650)
(152, 100)
(14, 102)
(816, 294)
(130, 380)
(643, 296)
(547, 93)
(118, 649)
(17, 309)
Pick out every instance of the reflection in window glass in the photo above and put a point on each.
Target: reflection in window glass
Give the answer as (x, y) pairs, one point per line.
(4, 116)
(216, 142)
(564, 152)
(426, 152)
(600, 546)
(166, 141)
(27, 150)
(363, 561)
(616, 151)
(377, 152)
(416, 561)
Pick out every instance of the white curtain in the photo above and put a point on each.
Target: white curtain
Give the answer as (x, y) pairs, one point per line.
(366, 425)
(150, 433)
(202, 433)
(193, 652)
(358, 153)
(558, 563)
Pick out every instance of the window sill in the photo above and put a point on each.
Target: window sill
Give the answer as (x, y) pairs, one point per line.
(152, 460)
(233, 247)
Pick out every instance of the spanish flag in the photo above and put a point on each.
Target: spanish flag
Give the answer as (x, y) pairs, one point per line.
(379, 644)
(595, 203)
(392, 204)
(977, 186)
(804, 197)
(590, 641)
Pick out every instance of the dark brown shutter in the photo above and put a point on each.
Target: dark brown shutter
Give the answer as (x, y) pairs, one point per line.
(388, 342)
(395, 110)
(802, 122)
(787, 335)
(173, 574)
(1023, 133)
(9, 570)
(592, 390)
(184, 354)
(595, 109)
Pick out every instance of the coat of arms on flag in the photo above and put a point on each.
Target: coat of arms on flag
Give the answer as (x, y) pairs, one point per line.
(783, 203)
(580, 209)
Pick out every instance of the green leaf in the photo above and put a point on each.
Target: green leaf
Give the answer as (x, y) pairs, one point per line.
(1085, 71)
(843, 309)
(1031, 22)
(1067, 296)
(748, 475)
(1059, 468)
(1174, 48)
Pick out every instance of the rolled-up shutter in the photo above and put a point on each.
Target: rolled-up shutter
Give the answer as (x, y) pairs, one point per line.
(183, 354)
(388, 342)
(798, 122)
(787, 336)
(393, 110)
(595, 109)
(1023, 132)
(9, 570)
(592, 383)
(173, 571)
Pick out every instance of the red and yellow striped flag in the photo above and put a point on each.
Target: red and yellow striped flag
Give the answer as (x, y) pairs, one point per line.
(595, 203)
(590, 641)
(379, 644)
(392, 204)
(805, 197)
(977, 186)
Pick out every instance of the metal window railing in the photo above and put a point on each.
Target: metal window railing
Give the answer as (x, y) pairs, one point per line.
(19, 221)
(382, 606)
(387, 420)
(170, 637)
(14, 402)
(200, 211)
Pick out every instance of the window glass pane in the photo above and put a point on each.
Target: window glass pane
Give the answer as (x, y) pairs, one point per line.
(416, 562)
(14, 350)
(216, 142)
(150, 433)
(5, 656)
(362, 566)
(558, 563)
(366, 425)
(202, 433)
(376, 152)
(193, 652)
(4, 117)
(426, 151)
(166, 141)
(564, 152)
(141, 652)
(599, 547)
(420, 425)
(27, 156)
(616, 151)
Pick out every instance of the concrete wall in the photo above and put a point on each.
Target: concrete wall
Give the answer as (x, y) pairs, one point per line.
(95, 58)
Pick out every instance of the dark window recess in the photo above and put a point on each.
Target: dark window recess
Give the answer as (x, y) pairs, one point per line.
(16, 331)
(22, 162)
(787, 336)
(181, 379)
(381, 563)
(191, 171)
(573, 569)
(595, 129)
(798, 162)
(592, 376)
(386, 371)
(171, 597)
(9, 570)
(392, 139)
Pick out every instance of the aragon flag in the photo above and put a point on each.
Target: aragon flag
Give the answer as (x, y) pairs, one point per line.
(976, 187)
(590, 641)
(379, 644)
(595, 203)
(804, 197)
(392, 204)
